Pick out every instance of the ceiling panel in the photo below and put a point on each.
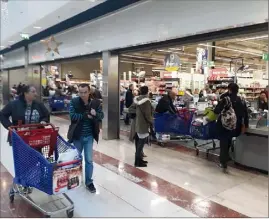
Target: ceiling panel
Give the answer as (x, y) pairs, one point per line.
(32, 17)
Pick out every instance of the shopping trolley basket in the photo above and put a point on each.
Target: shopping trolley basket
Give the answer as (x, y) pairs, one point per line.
(177, 125)
(204, 132)
(36, 167)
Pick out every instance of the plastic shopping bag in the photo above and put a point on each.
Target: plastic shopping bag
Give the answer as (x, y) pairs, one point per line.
(67, 156)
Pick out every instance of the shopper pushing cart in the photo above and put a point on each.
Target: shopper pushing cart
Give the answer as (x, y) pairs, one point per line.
(25, 110)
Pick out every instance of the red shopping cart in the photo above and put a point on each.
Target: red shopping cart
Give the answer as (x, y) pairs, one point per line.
(36, 149)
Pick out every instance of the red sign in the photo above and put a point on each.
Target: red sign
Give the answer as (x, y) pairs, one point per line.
(218, 72)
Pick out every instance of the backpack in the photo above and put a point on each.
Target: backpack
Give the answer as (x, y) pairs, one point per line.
(228, 116)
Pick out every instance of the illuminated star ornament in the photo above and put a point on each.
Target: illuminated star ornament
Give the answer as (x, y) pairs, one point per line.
(52, 45)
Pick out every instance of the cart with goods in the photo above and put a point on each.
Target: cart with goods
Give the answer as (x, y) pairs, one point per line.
(59, 104)
(173, 127)
(201, 131)
(39, 171)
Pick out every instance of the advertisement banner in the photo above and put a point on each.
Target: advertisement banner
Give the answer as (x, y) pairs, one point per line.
(66, 178)
(201, 59)
(171, 62)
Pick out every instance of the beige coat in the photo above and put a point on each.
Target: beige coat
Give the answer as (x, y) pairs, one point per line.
(144, 116)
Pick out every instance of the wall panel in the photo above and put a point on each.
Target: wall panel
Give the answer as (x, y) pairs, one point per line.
(152, 21)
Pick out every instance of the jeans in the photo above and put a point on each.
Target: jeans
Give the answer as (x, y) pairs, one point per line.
(121, 107)
(86, 144)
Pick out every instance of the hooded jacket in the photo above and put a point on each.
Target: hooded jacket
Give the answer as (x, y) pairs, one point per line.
(144, 114)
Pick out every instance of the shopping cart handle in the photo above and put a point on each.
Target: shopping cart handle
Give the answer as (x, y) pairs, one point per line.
(68, 163)
(10, 128)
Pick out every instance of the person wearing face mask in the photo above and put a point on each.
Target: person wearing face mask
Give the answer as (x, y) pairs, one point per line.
(25, 110)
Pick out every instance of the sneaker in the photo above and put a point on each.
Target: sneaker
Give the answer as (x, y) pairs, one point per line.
(223, 168)
(91, 188)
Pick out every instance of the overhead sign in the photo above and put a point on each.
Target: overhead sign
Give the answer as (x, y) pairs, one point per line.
(218, 72)
(265, 57)
(201, 58)
(172, 62)
(25, 36)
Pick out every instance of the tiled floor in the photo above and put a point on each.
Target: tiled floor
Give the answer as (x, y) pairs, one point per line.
(175, 184)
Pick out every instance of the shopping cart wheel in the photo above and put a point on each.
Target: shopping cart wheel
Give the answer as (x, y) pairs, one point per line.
(70, 213)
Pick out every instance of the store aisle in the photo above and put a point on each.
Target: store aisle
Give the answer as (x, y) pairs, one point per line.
(173, 185)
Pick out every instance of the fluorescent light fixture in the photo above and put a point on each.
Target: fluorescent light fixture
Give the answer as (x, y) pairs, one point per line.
(11, 41)
(37, 27)
(253, 38)
(2, 47)
(235, 50)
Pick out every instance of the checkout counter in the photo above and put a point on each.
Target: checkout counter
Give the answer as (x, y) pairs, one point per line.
(251, 149)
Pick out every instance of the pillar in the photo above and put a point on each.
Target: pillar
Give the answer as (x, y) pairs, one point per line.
(111, 99)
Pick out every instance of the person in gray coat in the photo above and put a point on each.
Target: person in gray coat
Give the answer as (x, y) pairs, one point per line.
(141, 125)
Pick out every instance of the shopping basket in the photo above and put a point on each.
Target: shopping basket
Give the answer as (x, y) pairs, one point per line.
(38, 137)
(36, 169)
(204, 132)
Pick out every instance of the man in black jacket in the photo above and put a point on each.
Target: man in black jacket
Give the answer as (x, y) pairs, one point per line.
(225, 135)
(129, 99)
(166, 103)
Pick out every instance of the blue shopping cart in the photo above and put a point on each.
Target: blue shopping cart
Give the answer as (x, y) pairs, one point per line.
(177, 126)
(204, 132)
(59, 104)
(35, 151)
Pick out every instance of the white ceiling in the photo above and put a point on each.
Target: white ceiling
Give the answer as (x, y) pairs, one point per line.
(32, 17)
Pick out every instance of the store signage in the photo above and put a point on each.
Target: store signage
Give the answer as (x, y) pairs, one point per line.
(265, 57)
(52, 45)
(218, 72)
(25, 36)
(172, 62)
(211, 63)
(201, 58)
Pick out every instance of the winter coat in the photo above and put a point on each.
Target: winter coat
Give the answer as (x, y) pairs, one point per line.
(16, 110)
(80, 111)
(241, 113)
(144, 114)
(165, 105)
(132, 110)
(129, 98)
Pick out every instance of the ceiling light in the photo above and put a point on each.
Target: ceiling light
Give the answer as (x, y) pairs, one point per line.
(253, 38)
(2, 46)
(11, 41)
(235, 50)
(37, 27)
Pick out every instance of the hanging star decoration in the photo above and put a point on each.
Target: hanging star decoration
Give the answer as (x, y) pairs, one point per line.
(52, 45)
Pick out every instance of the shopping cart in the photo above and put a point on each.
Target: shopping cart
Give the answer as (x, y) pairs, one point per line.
(204, 132)
(36, 149)
(59, 104)
(169, 127)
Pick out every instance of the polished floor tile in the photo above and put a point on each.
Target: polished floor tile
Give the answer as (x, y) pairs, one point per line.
(175, 184)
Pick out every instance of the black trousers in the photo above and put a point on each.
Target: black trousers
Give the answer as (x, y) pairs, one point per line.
(127, 119)
(139, 145)
(225, 144)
